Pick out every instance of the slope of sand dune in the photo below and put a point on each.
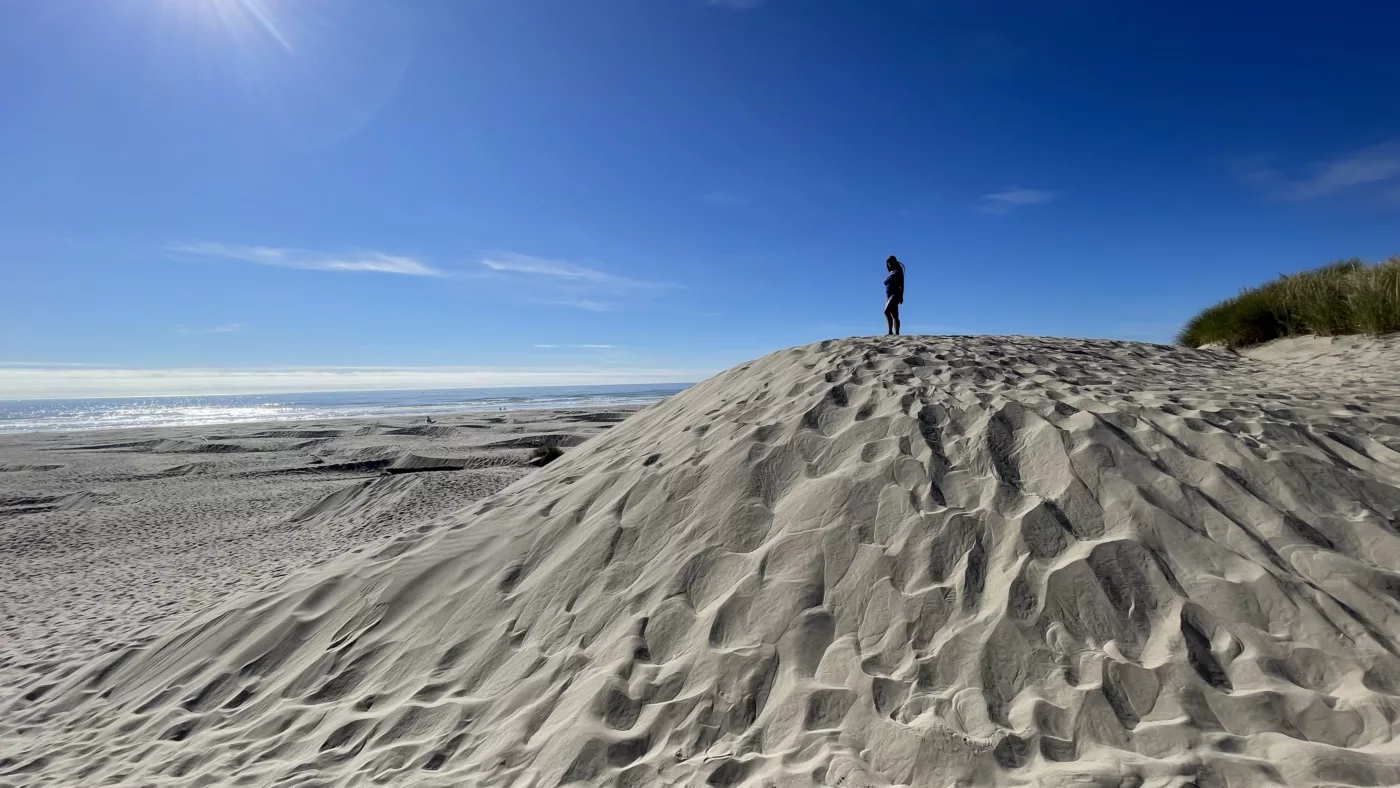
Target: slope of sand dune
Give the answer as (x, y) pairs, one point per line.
(106, 534)
(922, 561)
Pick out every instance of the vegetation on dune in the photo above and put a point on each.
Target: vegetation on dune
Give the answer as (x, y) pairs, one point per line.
(1346, 297)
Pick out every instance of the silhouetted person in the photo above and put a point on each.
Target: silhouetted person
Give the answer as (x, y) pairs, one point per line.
(894, 292)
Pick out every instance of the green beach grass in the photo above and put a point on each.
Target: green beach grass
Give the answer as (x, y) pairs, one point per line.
(1346, 297)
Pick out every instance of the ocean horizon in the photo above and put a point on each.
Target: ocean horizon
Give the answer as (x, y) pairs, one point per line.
(100, 413)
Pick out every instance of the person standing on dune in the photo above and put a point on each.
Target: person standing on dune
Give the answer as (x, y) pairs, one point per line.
(894, 292)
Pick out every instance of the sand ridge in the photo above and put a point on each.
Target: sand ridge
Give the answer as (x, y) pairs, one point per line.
(921, 560)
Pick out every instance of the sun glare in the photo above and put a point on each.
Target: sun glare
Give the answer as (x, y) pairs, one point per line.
(317, 70)
(241, 20)
(264, 18)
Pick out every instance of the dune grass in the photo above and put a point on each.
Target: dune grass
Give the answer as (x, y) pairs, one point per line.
(1346, 297)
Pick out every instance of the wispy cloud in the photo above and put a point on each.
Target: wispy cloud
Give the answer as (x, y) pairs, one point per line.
(557, 269)
(562, 283)
(225, 328)
(29, 381)
(1012, 198)
(1376, 165)
(365, 261)
(576, 303)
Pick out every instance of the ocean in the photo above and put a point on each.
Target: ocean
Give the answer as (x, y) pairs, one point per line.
(100, 414)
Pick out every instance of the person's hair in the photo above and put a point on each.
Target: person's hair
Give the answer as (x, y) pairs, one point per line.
(892, 261)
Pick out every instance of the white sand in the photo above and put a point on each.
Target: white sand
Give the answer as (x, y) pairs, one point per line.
(923, 561)
(106, 534)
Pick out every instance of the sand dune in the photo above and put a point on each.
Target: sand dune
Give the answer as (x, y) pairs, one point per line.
(105, 535)
(919, 561)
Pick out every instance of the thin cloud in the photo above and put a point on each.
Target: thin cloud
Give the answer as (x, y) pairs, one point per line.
(505, 263)
(586, 347)
(226, 328)
(1012, 198)
(1379, 164)
(562, 283)
(576, 303)
(29, 382)
(369, 261)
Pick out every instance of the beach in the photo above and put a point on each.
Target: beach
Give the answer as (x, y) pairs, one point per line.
(902, 561)
(107, 534)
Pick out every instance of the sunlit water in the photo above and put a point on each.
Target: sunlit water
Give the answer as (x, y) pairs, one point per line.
(95, 414)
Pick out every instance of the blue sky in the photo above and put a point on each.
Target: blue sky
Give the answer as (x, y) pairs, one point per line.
(244, 195)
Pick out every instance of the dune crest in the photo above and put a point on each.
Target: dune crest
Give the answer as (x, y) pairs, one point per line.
(916, 560)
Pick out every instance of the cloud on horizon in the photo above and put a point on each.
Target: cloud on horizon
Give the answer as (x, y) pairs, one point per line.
(1012, 198)
(1376, 165)
(590, 347)
(278, 257)
(33, 381)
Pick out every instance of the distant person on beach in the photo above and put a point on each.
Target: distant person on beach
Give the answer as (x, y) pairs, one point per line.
(894, 292)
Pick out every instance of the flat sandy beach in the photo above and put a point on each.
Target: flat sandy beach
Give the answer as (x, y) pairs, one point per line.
(909, 561)
(106, 534)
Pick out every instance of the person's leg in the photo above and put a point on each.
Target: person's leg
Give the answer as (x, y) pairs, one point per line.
(890, 308)
(896, 319)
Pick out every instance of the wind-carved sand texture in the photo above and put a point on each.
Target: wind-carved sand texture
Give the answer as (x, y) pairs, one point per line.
(924, 561)
(104, 534)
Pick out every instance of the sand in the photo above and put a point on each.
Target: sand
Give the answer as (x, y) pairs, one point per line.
(922, 561)
(104, 534)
